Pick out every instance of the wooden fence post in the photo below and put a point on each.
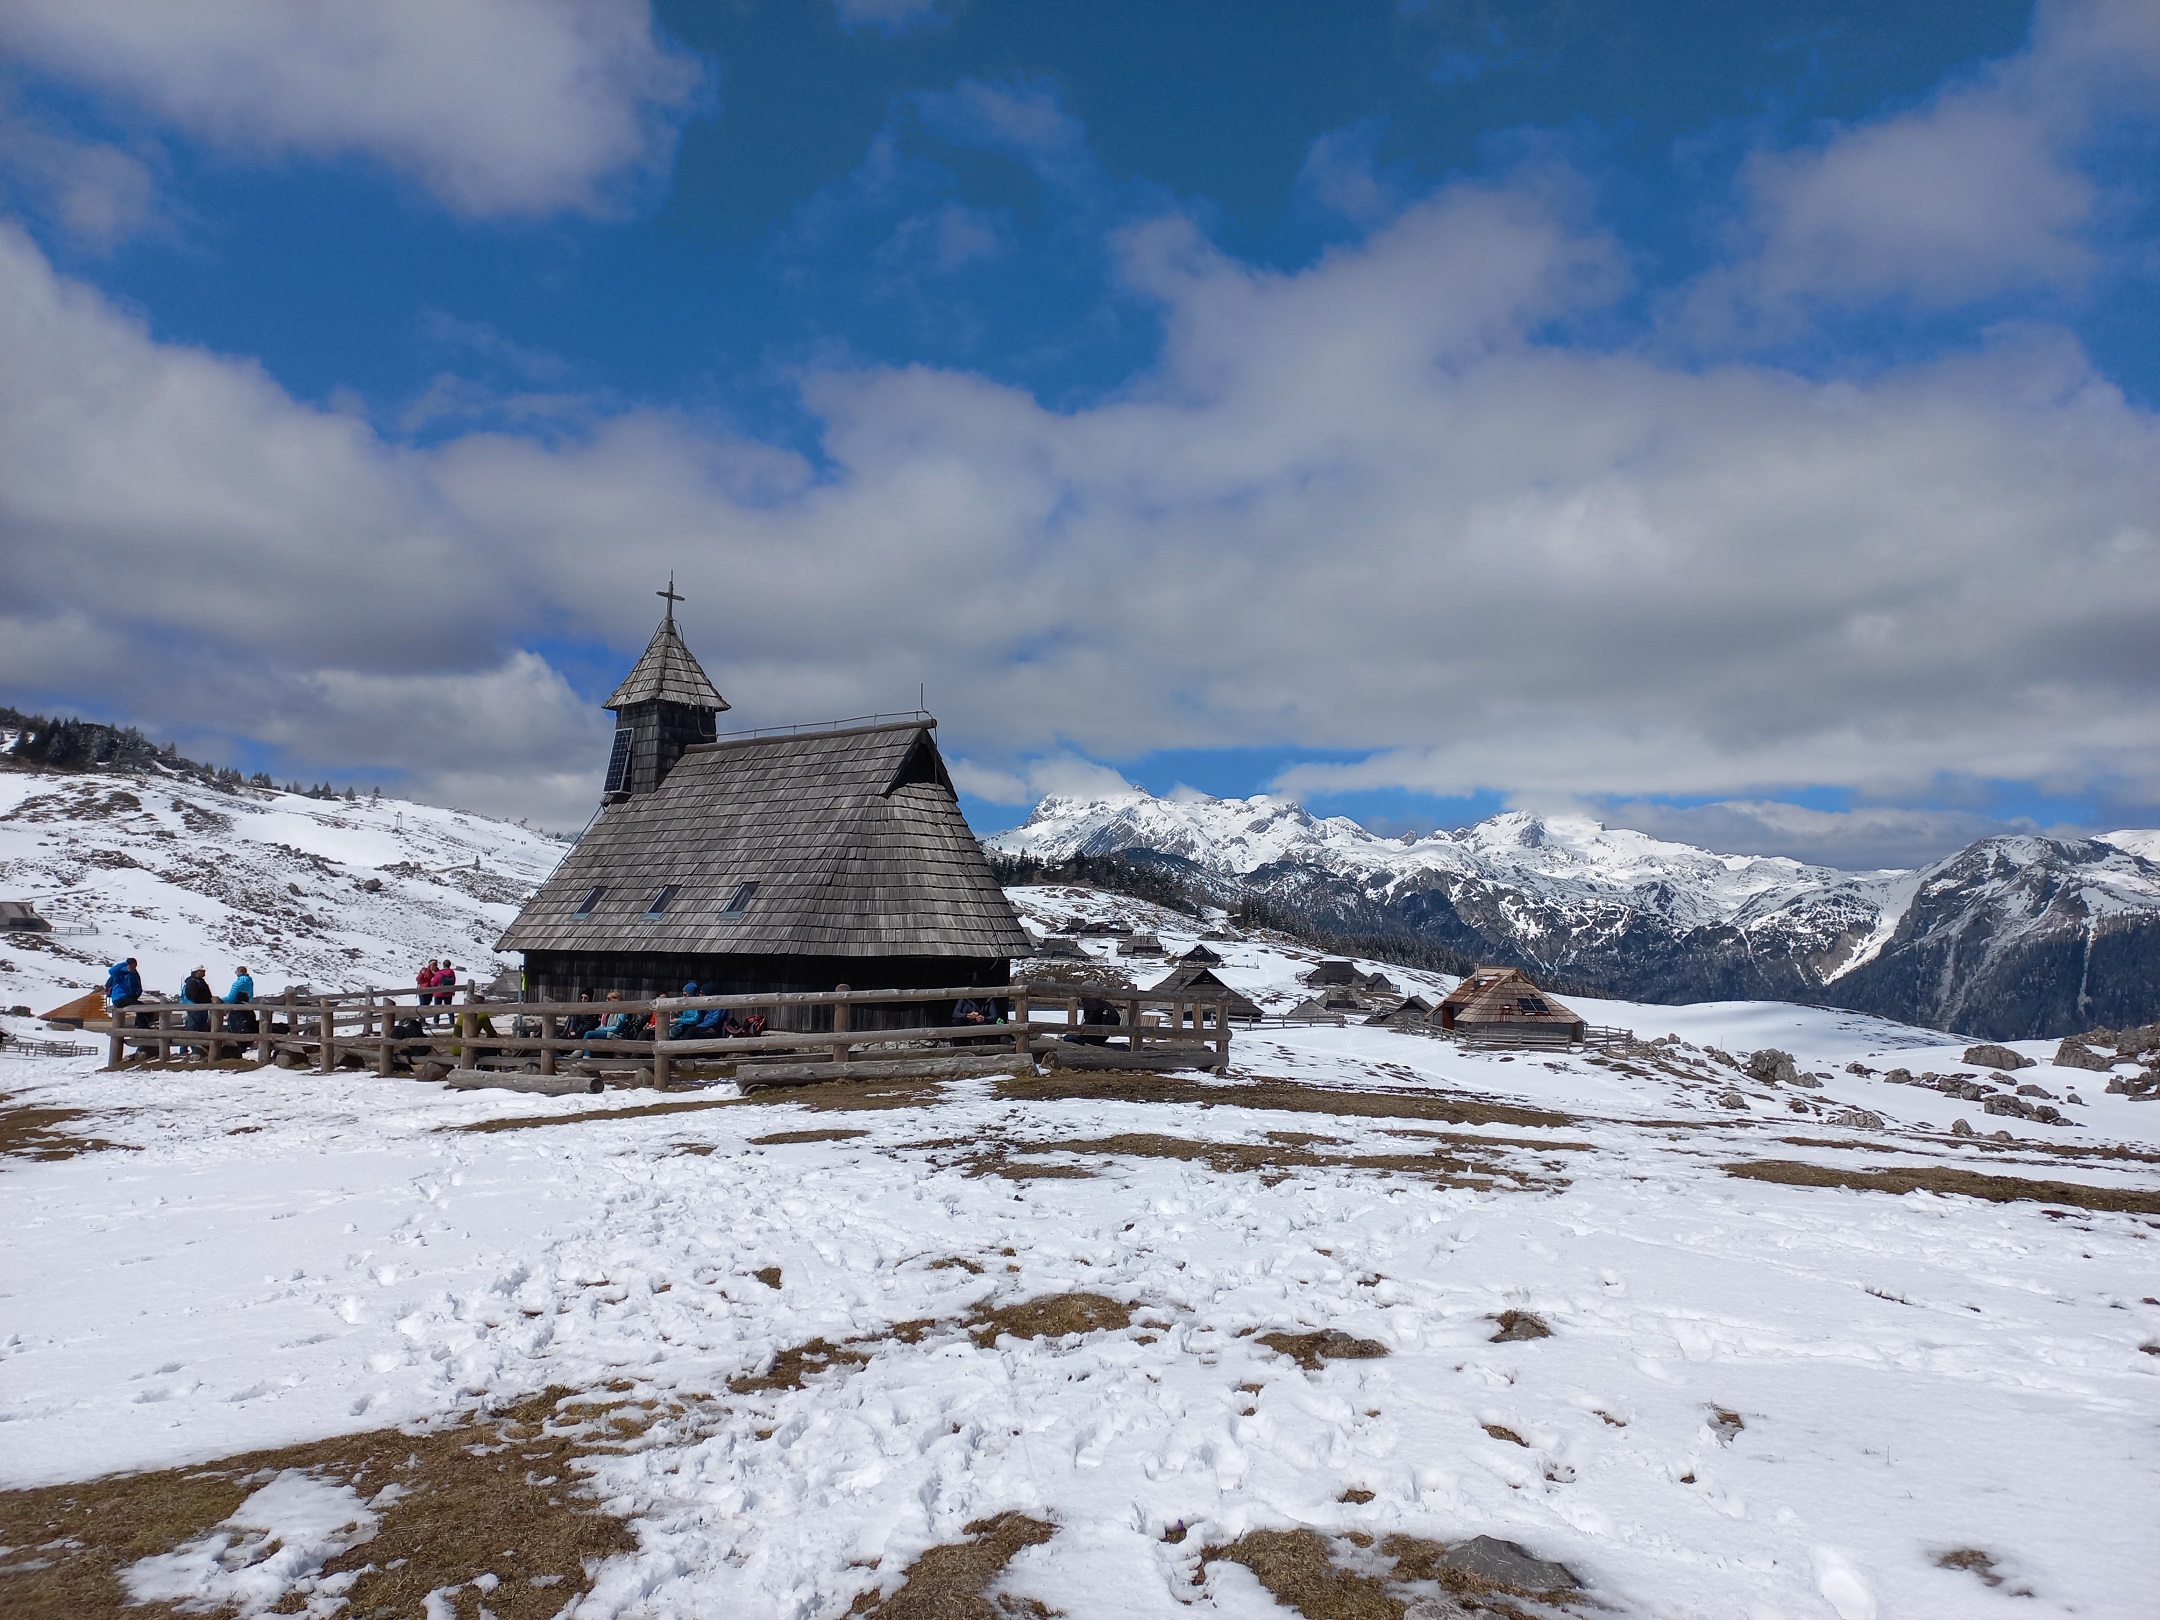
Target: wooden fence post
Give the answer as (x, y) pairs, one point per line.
(841, 1024)
(114, 1041)
(1222, 1035)
(384, 1062)
(326, 1053)
(1020, 1020)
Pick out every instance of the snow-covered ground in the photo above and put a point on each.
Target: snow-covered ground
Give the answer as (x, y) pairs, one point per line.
(287, 1256)
(180, 875)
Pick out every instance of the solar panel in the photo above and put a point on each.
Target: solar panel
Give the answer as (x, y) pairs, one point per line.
(618, 765)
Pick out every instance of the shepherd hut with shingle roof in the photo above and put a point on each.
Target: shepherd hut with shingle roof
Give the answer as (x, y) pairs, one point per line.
(767, 863)
(1502, 1004)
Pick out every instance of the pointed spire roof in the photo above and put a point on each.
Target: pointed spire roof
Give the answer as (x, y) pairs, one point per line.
(666, 670)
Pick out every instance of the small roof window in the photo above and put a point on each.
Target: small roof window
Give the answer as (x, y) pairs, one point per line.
(739, 901)
(591, 903)
(662, 899)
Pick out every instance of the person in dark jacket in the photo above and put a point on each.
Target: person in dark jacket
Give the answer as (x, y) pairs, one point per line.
(195, 991)
(582, 1023)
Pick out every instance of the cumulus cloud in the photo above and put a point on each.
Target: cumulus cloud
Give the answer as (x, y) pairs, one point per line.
(1341, 174)
(499, 107)
(1974, 193)
(1864, 839)
(98, 194)
(1065, 774)
(1364, 505)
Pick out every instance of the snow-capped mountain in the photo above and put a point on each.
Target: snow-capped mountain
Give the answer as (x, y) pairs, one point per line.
(2012, 937)
(179, 872)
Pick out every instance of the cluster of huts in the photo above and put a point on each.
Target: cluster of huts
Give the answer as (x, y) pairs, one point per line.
(1495, 1005)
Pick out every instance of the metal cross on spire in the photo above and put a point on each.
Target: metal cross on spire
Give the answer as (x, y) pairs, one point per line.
(672, 598)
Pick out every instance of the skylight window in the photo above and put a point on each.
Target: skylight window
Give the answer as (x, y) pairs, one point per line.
(661, 900)
(591, 902)
(739, 901)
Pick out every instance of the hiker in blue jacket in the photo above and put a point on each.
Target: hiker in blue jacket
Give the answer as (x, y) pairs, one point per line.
(123, 984)
(687, 1021)
(240, 995)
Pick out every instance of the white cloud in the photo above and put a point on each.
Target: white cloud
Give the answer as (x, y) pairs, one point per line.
(499, 107)
(98, 194)
(1066, 774)
(1974, 193)
(1359, 506)
(1867, 838)
(1341, 174)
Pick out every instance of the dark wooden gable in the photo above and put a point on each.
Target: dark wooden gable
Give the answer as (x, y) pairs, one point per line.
(853, 839)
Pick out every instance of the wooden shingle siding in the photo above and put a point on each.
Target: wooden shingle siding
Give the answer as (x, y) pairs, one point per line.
(848, 864)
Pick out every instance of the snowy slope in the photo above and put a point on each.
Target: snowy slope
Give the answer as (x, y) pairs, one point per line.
(2072, 927)
(181, 875)
(1899, 1367)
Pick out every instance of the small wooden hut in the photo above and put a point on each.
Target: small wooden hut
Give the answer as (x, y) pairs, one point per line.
(1502, 1005)
(1197, 976)
(21, 917)
(1202, 955)
(1334, 972)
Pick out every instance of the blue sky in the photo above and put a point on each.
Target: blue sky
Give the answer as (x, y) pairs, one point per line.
(1733, 421)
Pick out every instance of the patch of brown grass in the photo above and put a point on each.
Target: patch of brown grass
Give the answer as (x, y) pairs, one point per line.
(1313, 1350)
(794, 1364)
(1299, 1570)
(1277, 1096)
(951, 1582)
(1826, 1142)
(1276, 1160)
(768, 1275)
(1500, 1431)
(1950, 1179)
(1049, 1317)
(786, 1138)
(496, 1495)
(34, 1133)
(955, 1262)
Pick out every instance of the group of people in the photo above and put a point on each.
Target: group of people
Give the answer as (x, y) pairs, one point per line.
(124, 989)
(437, 983)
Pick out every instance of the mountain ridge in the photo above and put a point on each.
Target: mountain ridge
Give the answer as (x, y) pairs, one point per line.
(2015, 936)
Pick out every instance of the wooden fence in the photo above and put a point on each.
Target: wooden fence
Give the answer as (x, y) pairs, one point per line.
(394, 1030)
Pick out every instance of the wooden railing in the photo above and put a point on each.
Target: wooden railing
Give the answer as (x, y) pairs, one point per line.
(391, 1029)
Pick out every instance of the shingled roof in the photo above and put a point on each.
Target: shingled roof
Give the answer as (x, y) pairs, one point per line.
(666, 671)
(853, 839)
